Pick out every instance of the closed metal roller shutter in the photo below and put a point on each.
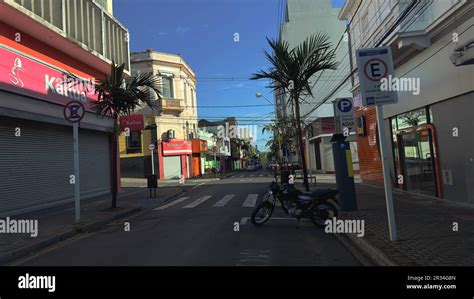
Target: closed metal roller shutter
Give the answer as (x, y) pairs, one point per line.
(172, 167)
(35, 168)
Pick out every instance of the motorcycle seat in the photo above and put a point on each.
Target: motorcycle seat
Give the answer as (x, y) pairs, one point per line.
(323, 192)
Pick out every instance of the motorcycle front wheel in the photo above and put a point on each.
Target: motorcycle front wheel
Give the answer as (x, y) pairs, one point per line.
(319, 213)
(262, 213)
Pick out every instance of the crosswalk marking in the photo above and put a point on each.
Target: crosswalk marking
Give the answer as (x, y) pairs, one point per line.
(171, 203)
(224, 200)
(241, 176)
(197, 202)
(250, 201)
(261, 175)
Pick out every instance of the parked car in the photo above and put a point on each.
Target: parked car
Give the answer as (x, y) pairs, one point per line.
(251, 167)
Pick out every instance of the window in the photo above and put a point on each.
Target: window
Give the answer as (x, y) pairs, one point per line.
(167, 87)
(411, 119)
(134, 142)
(185, 92)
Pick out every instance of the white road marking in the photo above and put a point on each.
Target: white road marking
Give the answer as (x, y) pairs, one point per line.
(254, 257)
(197, 202)
(224, 200)
(252, 175)
(250, 201)
(241, 176)
(261, 175)
(244, 220)
(171, 204)
(198, 185)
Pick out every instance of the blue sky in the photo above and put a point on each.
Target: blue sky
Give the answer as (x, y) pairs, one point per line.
(202, 31)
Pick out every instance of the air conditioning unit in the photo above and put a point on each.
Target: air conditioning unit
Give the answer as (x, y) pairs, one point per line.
(171, 134)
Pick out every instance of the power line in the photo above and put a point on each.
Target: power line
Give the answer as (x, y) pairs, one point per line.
(333, 91)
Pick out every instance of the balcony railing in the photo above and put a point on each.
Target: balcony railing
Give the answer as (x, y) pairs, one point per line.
(172, 105)
(84, 21)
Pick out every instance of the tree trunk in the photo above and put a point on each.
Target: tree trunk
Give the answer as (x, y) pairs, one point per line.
(300, 142)
(114, 165)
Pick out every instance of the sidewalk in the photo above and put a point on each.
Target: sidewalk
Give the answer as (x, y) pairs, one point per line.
(425, 229)
(57, 224)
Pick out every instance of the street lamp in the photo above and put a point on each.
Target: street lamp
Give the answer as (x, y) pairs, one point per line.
(260, 95)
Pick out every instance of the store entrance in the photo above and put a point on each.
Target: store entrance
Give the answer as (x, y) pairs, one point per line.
(418, 161)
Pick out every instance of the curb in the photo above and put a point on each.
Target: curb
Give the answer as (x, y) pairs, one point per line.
(30, 248)
(204, 180)
(375, 255)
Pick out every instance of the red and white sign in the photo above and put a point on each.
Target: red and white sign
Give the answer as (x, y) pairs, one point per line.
(23, 75)
(74, 111)
(134, 122)
(177, 147)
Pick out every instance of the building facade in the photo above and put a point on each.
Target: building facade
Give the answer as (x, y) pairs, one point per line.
(304, 18)
(39, 44)
(172, 125)
(429, 154)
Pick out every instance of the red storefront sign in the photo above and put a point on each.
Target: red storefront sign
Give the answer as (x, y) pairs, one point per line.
(134, 122)
(177, 147)
(31, 77)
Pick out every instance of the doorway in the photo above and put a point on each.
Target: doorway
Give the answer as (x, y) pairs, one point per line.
(317, 149)
(418, 161)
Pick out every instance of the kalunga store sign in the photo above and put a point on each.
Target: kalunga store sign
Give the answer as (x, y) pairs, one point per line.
(20, 74)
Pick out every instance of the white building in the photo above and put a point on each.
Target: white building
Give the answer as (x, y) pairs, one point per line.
(430, 129)
(304, 18)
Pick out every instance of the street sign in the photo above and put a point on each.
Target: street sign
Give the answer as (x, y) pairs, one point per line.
(226, 141)
(374, 64)
(344, 112)
(151, 147)
(74, 111)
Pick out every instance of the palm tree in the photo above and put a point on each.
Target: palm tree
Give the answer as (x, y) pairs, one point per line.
(283, 132)
(290, 73)
(118, 95)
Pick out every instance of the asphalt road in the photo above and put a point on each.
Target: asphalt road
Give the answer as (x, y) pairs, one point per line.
(197, 229)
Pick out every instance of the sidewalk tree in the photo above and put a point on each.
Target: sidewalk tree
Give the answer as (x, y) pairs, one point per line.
(290, 73)
(283, 133)
(119, 95)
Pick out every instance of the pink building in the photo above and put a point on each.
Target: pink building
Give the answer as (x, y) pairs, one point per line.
(38, 45)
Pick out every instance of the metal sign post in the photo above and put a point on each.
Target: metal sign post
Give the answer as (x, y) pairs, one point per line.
(373, 65)
(74, 111)
(152, 179)
(386, 175)
(152, 148)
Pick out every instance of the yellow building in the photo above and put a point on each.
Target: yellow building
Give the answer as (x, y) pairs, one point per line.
(175, 118)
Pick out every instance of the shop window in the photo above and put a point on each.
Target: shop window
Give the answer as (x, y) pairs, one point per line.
(411, 119)
(134, 142)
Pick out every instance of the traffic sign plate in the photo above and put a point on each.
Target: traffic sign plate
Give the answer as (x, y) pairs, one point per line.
(343, 110)
(74, 111)
(374, 64)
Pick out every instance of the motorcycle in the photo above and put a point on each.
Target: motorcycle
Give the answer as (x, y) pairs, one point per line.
(295, 203)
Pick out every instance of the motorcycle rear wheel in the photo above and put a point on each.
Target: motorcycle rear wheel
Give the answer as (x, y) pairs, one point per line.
(319, 217)
(262, 213)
